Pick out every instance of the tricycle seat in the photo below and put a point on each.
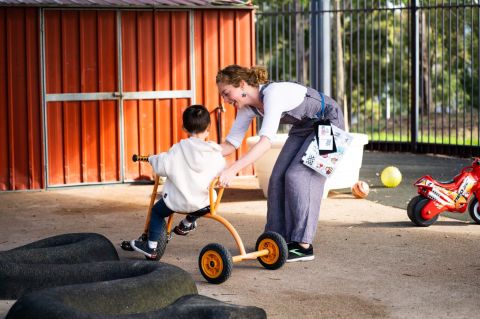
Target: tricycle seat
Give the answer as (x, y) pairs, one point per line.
(201, 211)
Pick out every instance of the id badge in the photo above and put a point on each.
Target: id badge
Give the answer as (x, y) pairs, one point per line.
(325, 138)
(325, 143)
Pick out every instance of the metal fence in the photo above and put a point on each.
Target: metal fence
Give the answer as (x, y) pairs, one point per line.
(406, 72)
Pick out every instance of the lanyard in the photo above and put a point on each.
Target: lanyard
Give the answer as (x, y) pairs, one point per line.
(325, 142)
(322, 112)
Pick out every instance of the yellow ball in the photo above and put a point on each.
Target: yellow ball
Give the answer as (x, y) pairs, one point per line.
(391, 176)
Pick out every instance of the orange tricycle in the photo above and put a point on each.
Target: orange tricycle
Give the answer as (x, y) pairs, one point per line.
(215, 261)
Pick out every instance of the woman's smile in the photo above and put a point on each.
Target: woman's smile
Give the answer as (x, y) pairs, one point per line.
(229, 94)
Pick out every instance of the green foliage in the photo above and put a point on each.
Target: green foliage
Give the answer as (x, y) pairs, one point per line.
(279, 3)
(377, 46)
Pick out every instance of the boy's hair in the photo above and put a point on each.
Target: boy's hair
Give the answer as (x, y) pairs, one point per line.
(196, 119)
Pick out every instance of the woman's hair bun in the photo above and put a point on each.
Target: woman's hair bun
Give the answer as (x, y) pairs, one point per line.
(234, 74)
(260, 73)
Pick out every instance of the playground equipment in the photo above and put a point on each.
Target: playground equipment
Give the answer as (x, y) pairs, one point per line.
(391, 177)
(215, 261)
(360, 189)
(456, 196)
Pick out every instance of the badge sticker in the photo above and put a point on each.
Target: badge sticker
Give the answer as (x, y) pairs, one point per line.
(325, 143)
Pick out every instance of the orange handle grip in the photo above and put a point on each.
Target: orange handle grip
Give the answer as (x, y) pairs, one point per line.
(211, 189)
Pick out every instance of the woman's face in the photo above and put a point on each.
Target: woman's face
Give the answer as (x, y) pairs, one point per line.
(232, 95)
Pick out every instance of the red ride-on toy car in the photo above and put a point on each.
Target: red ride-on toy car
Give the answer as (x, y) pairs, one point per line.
(456, 196)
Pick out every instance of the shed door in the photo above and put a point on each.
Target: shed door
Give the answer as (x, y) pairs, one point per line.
(156, 83)
(108, 99)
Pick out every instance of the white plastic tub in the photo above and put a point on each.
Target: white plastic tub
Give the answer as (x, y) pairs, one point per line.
(344, 177)
(264, 165)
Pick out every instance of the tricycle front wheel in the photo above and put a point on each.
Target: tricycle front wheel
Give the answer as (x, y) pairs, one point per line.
(215, 263)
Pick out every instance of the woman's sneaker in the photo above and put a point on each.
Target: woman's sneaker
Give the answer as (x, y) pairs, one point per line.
(183, 230)
(142, 247)
(298, 253)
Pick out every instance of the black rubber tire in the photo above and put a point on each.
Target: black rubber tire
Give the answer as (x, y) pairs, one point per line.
(215, 256)
(116, 289)
(133, 303)
(474, 209)
(63, 249)
(414, 210)
(277, 246)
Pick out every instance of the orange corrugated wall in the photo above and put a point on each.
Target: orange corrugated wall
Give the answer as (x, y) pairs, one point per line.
(81, 57)
(156, 57)
(223, 37)
(21, 157)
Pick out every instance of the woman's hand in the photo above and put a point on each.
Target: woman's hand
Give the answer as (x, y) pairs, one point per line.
(226, 176)
(255, 152)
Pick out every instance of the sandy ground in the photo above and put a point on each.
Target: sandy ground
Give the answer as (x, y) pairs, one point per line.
(370, 261)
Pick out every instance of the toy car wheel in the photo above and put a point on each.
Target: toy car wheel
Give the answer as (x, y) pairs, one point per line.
(215, 263)
(414, 211)
(161, 243)
(474, 209)
(277, 247)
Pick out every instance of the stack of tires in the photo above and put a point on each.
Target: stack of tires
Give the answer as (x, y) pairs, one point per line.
(80, 276)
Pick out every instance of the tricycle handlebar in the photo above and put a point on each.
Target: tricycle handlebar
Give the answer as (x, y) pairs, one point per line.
(140, 158)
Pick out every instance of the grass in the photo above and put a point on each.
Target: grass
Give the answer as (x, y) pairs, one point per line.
(424, 138)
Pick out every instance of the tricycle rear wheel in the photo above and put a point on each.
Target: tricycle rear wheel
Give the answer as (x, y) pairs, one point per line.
(277, 247)
(414, 211)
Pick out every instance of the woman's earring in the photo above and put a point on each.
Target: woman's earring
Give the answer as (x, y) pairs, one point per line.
(244, 94)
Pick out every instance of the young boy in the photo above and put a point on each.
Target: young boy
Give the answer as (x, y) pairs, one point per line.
(190, 166)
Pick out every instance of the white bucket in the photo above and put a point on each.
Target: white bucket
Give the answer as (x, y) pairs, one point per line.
(345, 175)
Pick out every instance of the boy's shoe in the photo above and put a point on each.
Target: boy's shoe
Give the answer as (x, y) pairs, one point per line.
(183, 230)
(298, 253)
(142, 247)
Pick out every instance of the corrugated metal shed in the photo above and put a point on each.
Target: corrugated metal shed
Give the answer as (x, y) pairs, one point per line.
(96, 86)
(131, 3)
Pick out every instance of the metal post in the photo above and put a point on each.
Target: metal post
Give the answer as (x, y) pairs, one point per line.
(299, 40)
(314, 31)
(120, 94)
(43, 81)
(321, 41)
(325, 58)
(193, 76)
(415, 75)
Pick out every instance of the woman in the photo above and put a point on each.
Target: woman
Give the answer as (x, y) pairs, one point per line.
(294, 191)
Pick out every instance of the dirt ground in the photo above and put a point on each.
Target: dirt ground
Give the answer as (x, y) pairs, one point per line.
(370, 261)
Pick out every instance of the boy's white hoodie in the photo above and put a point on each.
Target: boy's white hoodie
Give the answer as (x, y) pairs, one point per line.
(190, 166)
